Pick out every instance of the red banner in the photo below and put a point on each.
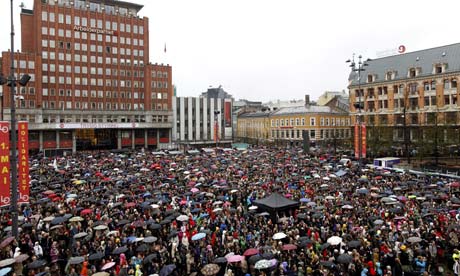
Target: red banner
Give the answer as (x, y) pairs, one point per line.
(228, 113)
(356, 140)
(5, 183)
(363, 140)
(23, 159)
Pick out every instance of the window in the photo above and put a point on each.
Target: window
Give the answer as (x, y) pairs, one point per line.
(312, 122)
(412, 73)
(44, 16)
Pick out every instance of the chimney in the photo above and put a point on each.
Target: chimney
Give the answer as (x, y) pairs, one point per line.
(307, 100)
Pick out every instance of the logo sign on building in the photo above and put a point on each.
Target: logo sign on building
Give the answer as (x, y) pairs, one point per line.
(401, 49)
(363, 140)
(4, 164)
(94, 30)
(23, 157)
(356, 140)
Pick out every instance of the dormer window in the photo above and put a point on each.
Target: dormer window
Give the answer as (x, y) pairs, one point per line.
(412, 73)
(439, 68)
(389, 76)
(371, 78)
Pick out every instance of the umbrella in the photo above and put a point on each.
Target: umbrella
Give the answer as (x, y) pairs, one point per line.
(155, 226)
(220, 260)
(76, 219)
(235, 258)
(76, 260)
(36, 264)
(263, 264)
(267, 255)
(150, 239)
(250, 252)
(344, 259)
(279, 236)
(182, 218)
(325, 245)
(7, 262)
(334, 240)
(96, 256)
(119, 250)
(254, 259)
(102, 273)
(378, 222)
(80, 235)
(5, 271)
(414, 239)
(142, 248)
(108, 265)
(327, 263)
(198, 236)
(101, 227)
(6, 242)
(150, 258)
(48, 219)
(86, 212)
(123, 222)
(354, 244)
(167, 269)
(21, 258)
(288, 247)
(210, 269)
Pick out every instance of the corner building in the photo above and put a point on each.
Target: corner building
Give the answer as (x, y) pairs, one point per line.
(92, 84)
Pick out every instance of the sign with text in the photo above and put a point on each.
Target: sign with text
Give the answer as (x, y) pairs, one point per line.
(4, 164)
(94, 30)
(23, 158)
(363, 140)
(356, 140)
(95, 125)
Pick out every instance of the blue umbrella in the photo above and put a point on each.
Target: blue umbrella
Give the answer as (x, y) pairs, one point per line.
(147, 194)
(305, 200)
(198, 236)
(5, 271)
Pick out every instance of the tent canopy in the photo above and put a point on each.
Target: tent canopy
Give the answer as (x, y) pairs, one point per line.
(276, 202)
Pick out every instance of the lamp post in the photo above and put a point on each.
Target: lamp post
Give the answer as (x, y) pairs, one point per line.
(13, 159)
(405, 134)
(359, 67)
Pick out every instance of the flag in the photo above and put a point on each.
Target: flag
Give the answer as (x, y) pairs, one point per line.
(165, 47)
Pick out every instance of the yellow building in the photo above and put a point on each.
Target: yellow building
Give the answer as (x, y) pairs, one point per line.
(253, 127)
(320, 123)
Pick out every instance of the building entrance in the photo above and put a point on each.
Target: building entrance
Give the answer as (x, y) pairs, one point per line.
(91, 139)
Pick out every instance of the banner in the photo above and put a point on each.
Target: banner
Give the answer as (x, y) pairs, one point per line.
(356, 140)
(228, 113)
(4, 164)
(23, 162)
(216, 131)
(363, 140)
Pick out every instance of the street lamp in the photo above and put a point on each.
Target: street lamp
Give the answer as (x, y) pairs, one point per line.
(405, 134)
(359, 67)
(11, 82)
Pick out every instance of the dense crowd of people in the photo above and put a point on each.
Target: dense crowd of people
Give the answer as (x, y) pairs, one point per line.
(143, 213)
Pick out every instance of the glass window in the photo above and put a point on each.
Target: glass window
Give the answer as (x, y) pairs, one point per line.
(51, 17)
(44, 16)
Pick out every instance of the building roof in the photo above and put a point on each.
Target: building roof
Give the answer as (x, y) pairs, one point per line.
(310, 109)
(423, 59)
(254, 115)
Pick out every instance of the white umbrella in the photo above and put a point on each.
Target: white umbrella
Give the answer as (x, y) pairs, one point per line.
(155, 206)
(334, 240)
(279, 236)
(101, 227)
(182, 218)
(253, 207)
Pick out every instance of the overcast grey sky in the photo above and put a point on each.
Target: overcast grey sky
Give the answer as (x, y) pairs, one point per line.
(271, 49)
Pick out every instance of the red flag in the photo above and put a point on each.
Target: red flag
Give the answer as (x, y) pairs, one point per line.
(23, 156)
(4, 164)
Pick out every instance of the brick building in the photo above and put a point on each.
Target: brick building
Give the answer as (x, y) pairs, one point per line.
(92, 85)
(410, 101)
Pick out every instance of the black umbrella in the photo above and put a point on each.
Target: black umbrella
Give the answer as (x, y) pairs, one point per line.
(155, 226)
(268, 256)
(119, 250)
(76, 260)
(167, 269)
(58, 220)
(96, 256)
(150, 239)
(142, 248)
(327, 263)
(123, 222)
(354, 244)
(220, 260)
(344, 259)
(172, 234)
(150, 258)
(36, 264)
(325, 245)
(165, 221)
(254, 259)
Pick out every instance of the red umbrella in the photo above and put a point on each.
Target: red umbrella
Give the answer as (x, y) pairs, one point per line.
(287, 247)
(250, 252)
(130, 204)
(6, 241)
(86, 212)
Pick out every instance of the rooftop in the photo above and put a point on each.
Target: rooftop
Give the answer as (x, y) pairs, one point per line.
(310, 109)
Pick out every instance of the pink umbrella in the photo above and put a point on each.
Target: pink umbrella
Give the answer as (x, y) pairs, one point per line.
(227, 203)
(194, 190)
(287, 247)
(235, 258)
(108, 266)
(288, 195)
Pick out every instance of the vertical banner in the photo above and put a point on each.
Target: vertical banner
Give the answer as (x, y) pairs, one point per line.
(23, 158)
(228, 113)
(356, 140)
(216, 131)
(5, 183)
(363, 139)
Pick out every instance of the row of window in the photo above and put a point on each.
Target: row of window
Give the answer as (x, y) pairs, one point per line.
(323, 134)
(91, 81)
(412, 88)
(84, 58)
(96, 94)
(93, 23)
(63, 105)
(61, 68)
(301, 122)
